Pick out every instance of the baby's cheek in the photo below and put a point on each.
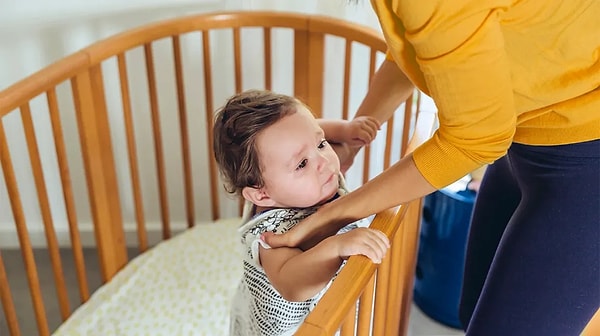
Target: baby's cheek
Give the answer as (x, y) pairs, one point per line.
(333, 158)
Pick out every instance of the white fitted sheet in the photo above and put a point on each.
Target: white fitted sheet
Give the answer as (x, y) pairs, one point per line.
(182, 286)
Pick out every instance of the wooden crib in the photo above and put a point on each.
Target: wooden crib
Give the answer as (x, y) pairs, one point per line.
(90, 106)
(83, 84)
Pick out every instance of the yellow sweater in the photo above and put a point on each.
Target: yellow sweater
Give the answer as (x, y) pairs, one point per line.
(499, 71)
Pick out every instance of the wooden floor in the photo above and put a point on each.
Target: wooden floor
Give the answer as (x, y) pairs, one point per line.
(19, 286)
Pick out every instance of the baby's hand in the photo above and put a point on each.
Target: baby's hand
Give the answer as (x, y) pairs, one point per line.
(373, 244)
(361, 131)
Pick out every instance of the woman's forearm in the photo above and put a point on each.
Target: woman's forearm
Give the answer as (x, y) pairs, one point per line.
(389, 88)
(399, 184)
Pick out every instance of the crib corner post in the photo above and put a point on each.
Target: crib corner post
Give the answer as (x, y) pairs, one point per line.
(98, 159)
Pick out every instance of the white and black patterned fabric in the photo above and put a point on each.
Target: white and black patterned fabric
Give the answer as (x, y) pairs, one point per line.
(258, 309)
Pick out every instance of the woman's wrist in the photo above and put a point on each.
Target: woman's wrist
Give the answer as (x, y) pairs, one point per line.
(321, 225)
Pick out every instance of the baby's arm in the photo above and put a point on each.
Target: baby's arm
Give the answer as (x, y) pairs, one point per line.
(299, 275)
(357, 132)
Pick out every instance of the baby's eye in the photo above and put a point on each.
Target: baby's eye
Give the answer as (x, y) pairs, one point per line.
(302, 164)
(322, 144)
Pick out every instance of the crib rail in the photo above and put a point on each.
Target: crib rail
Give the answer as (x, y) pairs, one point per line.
(118, 133)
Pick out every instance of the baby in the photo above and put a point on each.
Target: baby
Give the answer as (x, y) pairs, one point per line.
(272, 151)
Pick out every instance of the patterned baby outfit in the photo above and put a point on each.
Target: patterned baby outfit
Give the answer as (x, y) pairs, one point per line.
(258, 309)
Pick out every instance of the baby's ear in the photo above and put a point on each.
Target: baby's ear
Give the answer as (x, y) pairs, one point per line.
(258, 196)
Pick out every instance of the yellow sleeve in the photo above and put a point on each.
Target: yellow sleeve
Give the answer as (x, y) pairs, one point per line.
(478, 173)
(459, 49)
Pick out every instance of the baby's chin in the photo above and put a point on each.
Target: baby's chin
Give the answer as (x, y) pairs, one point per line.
(329, 196)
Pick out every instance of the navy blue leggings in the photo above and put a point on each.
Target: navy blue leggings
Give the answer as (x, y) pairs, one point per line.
(533, 252)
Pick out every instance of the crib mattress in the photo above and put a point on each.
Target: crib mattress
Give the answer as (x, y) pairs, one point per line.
(182, 286)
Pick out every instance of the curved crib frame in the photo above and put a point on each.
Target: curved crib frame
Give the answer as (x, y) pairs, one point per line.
(384, 293)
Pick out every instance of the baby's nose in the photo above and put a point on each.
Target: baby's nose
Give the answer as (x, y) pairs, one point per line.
(321, 161)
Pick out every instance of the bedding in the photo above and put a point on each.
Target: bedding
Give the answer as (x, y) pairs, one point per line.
(182, 286)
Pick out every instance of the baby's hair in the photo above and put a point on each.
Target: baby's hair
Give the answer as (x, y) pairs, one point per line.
(237, 125)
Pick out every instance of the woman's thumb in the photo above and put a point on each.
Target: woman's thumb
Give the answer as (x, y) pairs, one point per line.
(274, 240)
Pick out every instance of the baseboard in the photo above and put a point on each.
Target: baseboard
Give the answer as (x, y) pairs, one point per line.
(9, 238)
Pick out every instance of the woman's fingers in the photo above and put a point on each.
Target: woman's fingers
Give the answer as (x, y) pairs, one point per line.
(277, 240)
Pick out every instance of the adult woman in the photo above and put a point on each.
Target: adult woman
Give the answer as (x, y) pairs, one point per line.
(516, 84)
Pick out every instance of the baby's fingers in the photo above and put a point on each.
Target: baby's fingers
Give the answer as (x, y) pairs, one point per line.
(376, 246)
(370, 129)
(381, 239)
(372, 123)
(364, 136)
(373, 252)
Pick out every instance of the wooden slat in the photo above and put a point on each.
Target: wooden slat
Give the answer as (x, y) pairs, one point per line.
(367, 149)
(42, 196)
(208, 93)
(316, 60)
(267, 57)
(8, 305)
(406, 126)
(366, 164)
(132, 155)
(389, 136)
(24, 242)
(308, 69)
(381, 296)
(237, 59)
(96, 148)
(183, 130)
(372, 64)
(349, 323)
(366, 309)
(158, 146)
(63, 166)
(346, 92)
(415, 110)
(394, 307)
(301, 65)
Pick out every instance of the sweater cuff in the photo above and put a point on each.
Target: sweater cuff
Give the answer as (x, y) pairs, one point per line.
(442, 164)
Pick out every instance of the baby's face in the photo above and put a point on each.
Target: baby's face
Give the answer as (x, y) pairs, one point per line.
(299, 168)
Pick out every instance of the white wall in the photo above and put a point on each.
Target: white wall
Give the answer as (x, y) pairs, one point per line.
(35, 33)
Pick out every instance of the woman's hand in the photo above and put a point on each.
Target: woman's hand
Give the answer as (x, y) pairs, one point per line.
(309, 232)
(303, 235)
